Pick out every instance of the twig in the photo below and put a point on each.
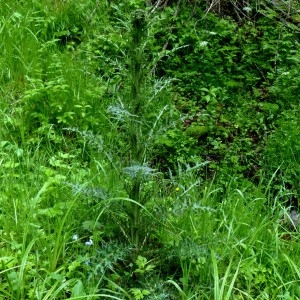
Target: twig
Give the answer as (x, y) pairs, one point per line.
(155, 6)
(165, 46)
(172, 27)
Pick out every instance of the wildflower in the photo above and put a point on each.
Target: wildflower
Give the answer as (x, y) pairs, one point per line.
(247, 9)
(177, 189)
(89, 242)
(75, 237)
(203, 44)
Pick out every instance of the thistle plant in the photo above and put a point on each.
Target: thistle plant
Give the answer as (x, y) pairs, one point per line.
(138, 127)
(136, 105)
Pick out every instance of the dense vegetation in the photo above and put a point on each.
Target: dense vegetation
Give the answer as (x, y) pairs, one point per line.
(149, 149)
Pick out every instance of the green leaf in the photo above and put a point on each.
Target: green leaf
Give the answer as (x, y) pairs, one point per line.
(78, 289)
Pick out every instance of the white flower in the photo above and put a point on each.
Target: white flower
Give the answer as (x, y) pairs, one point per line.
(203, 43)
(89, 242)
(247, 9)
(75, 237)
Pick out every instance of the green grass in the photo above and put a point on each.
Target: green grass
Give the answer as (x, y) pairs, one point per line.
(85, 213)
(212, 243)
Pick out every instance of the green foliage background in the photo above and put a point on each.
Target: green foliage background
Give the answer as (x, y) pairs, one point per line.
(149, 149)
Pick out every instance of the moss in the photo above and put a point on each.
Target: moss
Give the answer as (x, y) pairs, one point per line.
(197, 131)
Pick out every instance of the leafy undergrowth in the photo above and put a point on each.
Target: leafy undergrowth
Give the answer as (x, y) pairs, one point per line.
(63, 236)
(134, 166)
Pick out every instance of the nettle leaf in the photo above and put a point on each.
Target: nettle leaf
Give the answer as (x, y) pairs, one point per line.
(57, 210)
(90, 225)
